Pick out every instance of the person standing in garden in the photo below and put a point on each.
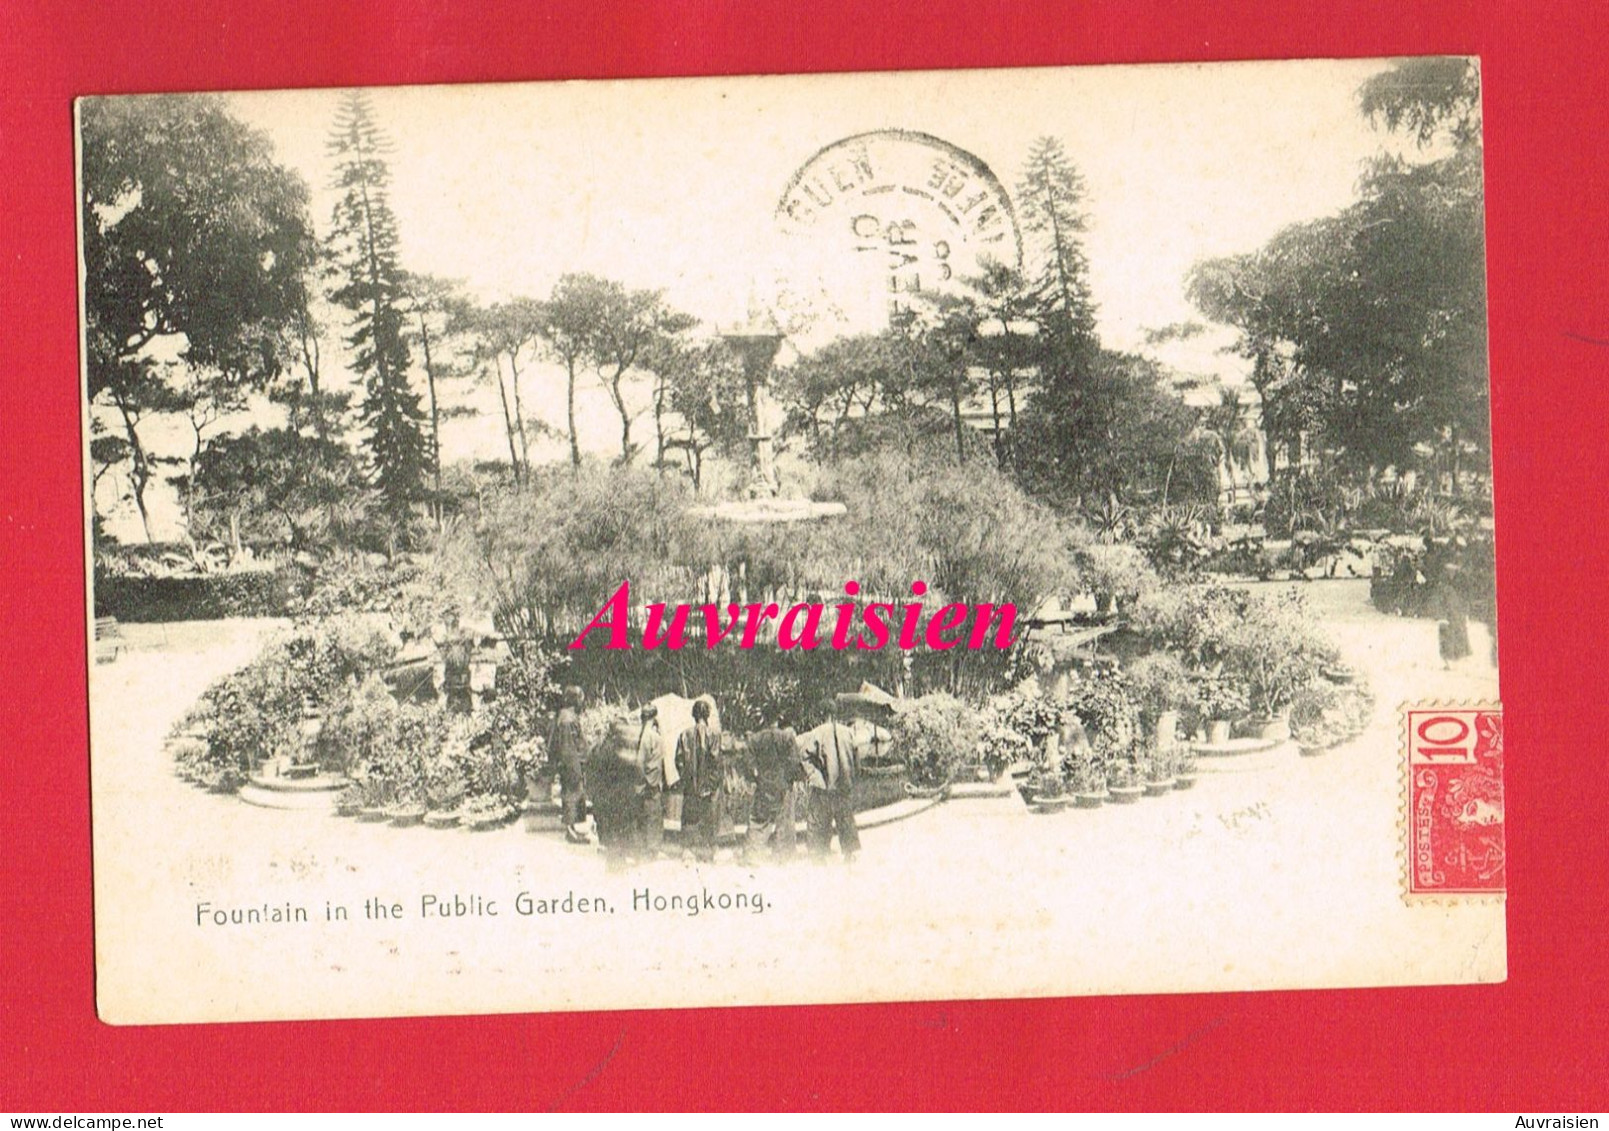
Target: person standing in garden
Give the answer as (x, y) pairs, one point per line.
(622, 786)
(699, 775)
(1452, 617)
(830, 764)
(648, 801)
(567, 749)
(776, 770)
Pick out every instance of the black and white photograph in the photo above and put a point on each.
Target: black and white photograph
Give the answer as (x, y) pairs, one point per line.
(789, 539)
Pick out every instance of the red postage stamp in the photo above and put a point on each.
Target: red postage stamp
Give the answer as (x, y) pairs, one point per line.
(1455, 800)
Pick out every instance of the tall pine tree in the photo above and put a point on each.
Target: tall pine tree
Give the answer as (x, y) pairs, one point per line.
(370, 283)
(1050, 200)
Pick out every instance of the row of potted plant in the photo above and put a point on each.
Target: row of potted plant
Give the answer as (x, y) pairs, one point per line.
(412, 764)
(1246, 655)
(1090, 781)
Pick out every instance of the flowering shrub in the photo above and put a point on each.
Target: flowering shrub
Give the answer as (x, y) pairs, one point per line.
(936, 735)
(360, 723)
(1015, 728)
(197, 760)
(1197, 622)
(392, 770)
(397, 754)
(529, 687)
(1220, 697)
(1275, 651)
(1160, 683)
(1104, 703)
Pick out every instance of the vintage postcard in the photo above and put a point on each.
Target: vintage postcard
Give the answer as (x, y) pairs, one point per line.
(772, 540)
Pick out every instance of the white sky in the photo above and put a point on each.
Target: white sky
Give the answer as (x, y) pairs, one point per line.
(672, 184)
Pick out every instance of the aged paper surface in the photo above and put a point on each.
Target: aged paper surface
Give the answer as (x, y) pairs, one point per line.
(782, 216)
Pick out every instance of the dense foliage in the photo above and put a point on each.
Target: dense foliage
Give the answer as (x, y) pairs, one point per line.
(936, 736)
(192, 235)
(1264, 647)
(255, 713)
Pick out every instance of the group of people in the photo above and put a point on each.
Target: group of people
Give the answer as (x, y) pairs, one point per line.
(624, 782)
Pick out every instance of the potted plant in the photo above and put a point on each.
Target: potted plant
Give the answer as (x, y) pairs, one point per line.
(1162, 690)
(1275, 652)
(1101, 711)
(1087, 779)
(375, 801)
(1014, 734)
(1339, 672)
(1047, 790)
(1184, 773)
(224, 779)
(1115, 574)
(486, 811)
(1123, 781)
(1311, 708)
(1159, 771)
(1221, 701)
(1314, 738)
(444, 818)
(407, 811)
(1354, 711)
(350, 801)
(935, 734)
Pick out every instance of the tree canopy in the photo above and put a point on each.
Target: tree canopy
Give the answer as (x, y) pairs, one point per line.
(194, 234)
(1367, 329)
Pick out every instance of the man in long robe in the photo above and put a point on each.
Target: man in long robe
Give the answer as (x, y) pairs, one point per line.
(774, 755)
(699, 775)
(567, 749)
(623, 787)
(648, 781)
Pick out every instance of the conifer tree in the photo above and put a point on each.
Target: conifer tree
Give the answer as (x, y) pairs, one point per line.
(368, 281)
(1050, 199)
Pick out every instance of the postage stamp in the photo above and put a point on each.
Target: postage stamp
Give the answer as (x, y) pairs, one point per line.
(1454, 797)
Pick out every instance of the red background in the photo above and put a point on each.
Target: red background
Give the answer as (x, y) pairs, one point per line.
(1537, 1042)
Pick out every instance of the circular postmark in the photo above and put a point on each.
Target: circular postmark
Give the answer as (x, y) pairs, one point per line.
(878, 222)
